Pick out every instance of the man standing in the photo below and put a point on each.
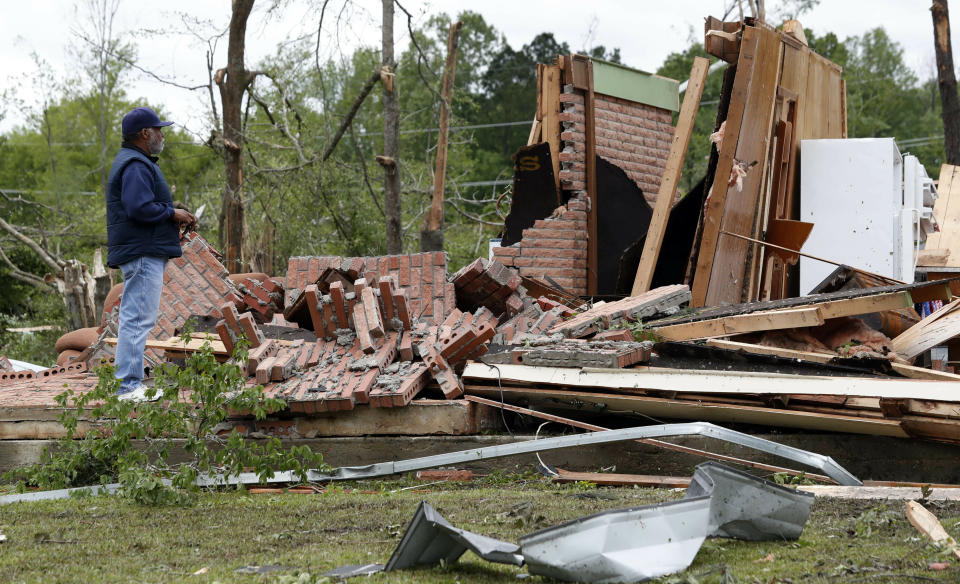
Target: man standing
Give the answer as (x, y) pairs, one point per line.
(142, 234)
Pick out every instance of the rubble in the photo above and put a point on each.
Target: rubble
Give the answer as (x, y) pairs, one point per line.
(713, 329)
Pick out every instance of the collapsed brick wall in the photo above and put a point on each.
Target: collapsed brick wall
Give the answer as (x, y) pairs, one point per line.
(423, 274)
(195, 283)
(554, 247)
(633, 136)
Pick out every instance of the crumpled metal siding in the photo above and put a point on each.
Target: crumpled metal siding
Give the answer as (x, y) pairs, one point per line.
(626, 545)
(747, 507)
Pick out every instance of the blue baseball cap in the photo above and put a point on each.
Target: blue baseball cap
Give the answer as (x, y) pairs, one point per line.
(139, 118)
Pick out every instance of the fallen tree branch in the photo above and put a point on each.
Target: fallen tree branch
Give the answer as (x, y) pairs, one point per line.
(18, 274)
(364, 92)
(53, 263)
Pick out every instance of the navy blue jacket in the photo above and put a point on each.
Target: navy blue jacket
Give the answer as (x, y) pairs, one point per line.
(139, 209)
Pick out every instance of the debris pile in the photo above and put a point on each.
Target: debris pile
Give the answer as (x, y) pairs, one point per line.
(714, 327)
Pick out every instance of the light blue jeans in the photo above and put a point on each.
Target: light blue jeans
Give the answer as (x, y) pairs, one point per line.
(142, 284)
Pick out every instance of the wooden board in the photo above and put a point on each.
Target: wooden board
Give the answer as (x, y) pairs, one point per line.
(593, 222)
(905, 370)
(936, 329)
(830, 308)
(742, 323)
(548, 112)
(671, 176)
(947, 210)
(927, 523)
(776, 351)
(725, 271)
(666, 408)
(608, 479)
(721, 266)
(178, 346)
(713, 213)
(678, 381)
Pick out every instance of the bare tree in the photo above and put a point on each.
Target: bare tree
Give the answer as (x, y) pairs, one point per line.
(947, 80)
(104, 58)
(391, 136)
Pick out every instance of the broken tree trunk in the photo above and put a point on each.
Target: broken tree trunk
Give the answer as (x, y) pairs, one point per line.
(947, 80)
(83, 294)
(431, 238)
(232, 83)
(391, 136)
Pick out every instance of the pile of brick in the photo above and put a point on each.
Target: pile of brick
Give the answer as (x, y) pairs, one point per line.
(337, 333)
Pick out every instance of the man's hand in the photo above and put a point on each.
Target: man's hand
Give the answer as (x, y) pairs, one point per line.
(185, 219)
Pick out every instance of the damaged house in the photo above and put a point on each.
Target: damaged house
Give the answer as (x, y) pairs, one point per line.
(613, 299)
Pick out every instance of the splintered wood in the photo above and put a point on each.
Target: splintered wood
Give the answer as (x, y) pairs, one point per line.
(782, 93)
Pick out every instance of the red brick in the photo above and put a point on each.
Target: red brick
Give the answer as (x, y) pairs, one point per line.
(360, 325)
(401, 303)
(371, 312)
(312, 300)
(386, 297)
(339, 304)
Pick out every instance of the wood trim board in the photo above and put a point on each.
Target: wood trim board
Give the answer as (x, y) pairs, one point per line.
(671, 409)
(715, 382)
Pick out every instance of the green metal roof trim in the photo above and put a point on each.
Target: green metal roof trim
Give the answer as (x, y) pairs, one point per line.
(635, 85)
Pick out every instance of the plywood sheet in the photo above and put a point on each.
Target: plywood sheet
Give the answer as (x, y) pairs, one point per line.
(725, 265)
(727, 271)
(947, 211)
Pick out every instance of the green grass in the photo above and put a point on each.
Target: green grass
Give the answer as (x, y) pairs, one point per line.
(105, 539)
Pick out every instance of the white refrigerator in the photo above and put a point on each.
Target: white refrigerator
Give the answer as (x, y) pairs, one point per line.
(871, 208)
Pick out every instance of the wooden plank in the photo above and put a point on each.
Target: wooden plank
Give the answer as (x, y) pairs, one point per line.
(865, 304)
(535, 129)
(727, 150)
(933, 257)
(671, 176)
(548, 77)
(743, 323)
(607, 479)
(906, 370)
(916, 290)
(931, 428)
(418, 418)
(732, 383)
(922, 373)
(927, 523)
(666, 408)
(947, 210)
(590, 137)
(936, 329)
(729, 272)
(775, 351)
(794, 78)
(178, 346)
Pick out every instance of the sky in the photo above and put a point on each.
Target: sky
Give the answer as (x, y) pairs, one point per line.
(645, 31)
